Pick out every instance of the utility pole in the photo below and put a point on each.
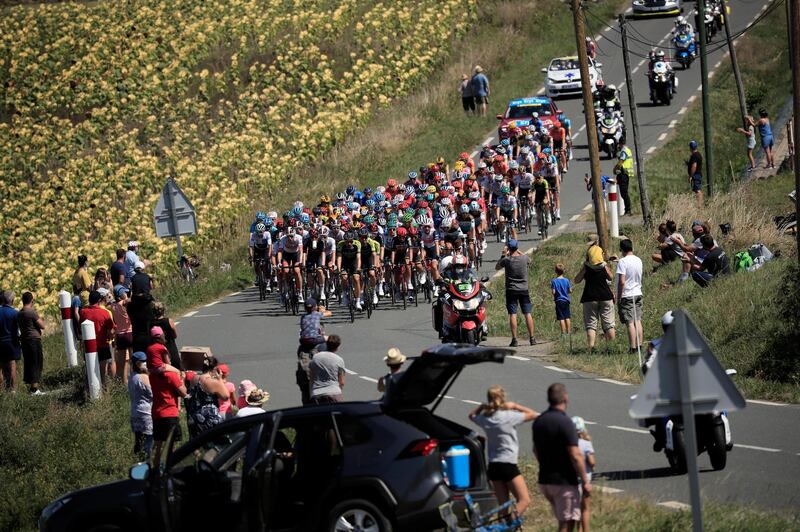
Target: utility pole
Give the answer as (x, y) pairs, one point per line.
(591, 127)
(794, 24)
(734, 63)
(701, 21)
(643, 199)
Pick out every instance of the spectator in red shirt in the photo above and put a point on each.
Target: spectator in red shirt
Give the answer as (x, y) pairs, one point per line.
(167, 386)
(103, 330)
(158, 360)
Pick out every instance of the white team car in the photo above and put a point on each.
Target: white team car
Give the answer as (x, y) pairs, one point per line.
(643, 8)
(564, 76)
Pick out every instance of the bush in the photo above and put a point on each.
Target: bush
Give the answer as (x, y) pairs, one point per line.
(780, 361)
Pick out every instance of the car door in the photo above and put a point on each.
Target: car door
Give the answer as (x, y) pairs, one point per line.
(202, 485)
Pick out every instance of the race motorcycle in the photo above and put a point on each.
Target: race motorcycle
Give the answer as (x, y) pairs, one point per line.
(662, 81)
(685, 49)
(610, 132)
(462, 314)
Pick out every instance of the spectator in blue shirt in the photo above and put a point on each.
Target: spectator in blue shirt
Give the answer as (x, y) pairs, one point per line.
(562, 289)
(9, 340)
(131, 258)
(480, 89)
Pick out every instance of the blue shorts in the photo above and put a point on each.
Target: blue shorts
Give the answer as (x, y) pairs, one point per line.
(563, 310)
(697, 182)
(767, 141)
(522, 299)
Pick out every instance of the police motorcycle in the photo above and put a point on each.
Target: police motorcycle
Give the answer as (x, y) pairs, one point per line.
(459, 314)
(610, 130)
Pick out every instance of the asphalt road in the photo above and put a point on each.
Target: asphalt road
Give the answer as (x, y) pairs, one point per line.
(258, 341)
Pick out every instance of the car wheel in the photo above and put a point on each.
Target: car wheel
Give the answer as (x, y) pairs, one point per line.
(357, 515)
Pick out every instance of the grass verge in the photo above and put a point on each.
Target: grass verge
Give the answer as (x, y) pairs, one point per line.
(742, 335)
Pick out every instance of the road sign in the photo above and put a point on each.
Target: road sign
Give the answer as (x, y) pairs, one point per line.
(711, 389)
(174, 214)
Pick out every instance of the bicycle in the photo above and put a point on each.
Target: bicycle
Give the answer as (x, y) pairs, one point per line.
(351, 295)
(542, 214)
(262, 278)
(289, 291)
(399, 271)
(369, 291)
(524, 213)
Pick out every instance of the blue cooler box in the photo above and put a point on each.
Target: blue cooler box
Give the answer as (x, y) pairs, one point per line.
(457, 461)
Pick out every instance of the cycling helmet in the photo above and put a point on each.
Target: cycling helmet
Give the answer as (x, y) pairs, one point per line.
(588, 39)
(260, 227)
(392, 224)
(505, 189)
(369, 219)
(370, 203)
(446, 202)
(378, 197)
(324, 199)
(260, 216)
(528, 137)
(498, 177)
(324, 230)
(305, 218)
(430, 197)
(613, 87)
(341, 196)
(368, 191)
(464, 208)
(505, 142)
(350, 235)
(350, 190)
(474, 195)
(316, 211)
(536, 115)
(447, 221)
(363, 232)
(464, 156)
(660, 54)
(391, 183)
(457, 185)
(525, 150)
(546, 151)
(279, 224)
(513, 165)
(408, 217)
(401, 232)
(474, 206)
(501, 150)
(458, 166)
(481, 165)
(443, 212)
(412, 174)
(422, 205)
(381, 221)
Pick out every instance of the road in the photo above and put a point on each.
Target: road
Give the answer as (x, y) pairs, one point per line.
(258, 341)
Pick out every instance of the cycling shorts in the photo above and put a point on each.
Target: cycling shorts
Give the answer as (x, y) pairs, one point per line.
(558, 144)
(260, 253)
(430, 253)
(349, 266)
(290, 258)
(313, 262)
(400, 257)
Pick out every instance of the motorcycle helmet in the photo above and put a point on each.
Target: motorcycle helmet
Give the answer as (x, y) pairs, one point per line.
(613, 88)
(660, 55)
(666, 320)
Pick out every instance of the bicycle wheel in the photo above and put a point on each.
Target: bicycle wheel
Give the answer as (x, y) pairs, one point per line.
(403, 288)
(368, 291)
(415, 289)
(393, 287)
(351, 300)
(262, 287)
(293, 297)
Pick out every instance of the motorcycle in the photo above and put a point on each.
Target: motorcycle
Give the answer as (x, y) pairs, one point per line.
(685, 49)
(662, 81)
(610, 132)
(713, 436)
(461, 313)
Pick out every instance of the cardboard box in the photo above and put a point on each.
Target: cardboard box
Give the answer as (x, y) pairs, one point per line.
(192, 357)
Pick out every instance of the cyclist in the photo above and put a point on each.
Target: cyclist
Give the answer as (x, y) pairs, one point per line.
(466, 224)
(506, 212)
(259, 250)
(566, 123)
(429, 240)
(348, 259)
(315, 260)
(522, 189)
(551, 175)
(370, 256)
(290, 255)
(559, 134)
(541, 199)
(401, 259)
(260, 218)
(478, 211)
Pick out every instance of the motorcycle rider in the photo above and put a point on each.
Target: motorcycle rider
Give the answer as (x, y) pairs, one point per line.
(683, 26)
(660, 57)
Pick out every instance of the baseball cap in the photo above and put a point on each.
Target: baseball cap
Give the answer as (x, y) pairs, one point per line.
(580, 424)
(103, 292)
(133, 244)
(692, 144)
(592, 239)
(311, 302)
(139, 265)
(139, 356)
(156, 331)
(119, 290)
(224, 369)
(512, 244)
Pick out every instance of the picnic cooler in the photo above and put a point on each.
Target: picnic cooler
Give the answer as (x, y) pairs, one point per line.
(192, 357)
(457, 463)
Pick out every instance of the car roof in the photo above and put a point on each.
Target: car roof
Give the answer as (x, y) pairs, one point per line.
(565, 58)
(535, 100)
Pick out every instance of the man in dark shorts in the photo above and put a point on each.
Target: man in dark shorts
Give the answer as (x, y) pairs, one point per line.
(694, 167)
(561, 466)
(30, 328)
(167, 387)
(515, 263)
(9, 340)
(103, 330)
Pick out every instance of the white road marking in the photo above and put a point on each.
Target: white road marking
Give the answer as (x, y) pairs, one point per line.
(587, 207)
(370, 379)
(635, 69)
(612, 381)
(675, 505)
(767, 403)
(449, 397)
(629, 10)
(582, 128)
(718, 64)
(350, 371)
(683, 110)
(560, 370)
(590, 422)
(541, 91)
(672, 124)
(651, 149)
(608, 28)
(711, 74)
(756, 448)
(629, 429)
(234, 294)
(177, 323)
(599, 37)
(575, 217)
(699, 88)
(515, 357)
(692, 98)
(640, 63)
(575, 135)
(487, 140)
(207, 315)
(473, 154)
(662, 136)
(606, 489)
(470, 402)
(211, 304)
(190, 314)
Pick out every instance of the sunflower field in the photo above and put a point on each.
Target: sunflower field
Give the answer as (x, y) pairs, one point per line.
(101, 101)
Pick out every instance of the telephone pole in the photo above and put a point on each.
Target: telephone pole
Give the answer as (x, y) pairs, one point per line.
(701, 21)
(643, 198)
(600, 219)
(794, 24)
(734, 63)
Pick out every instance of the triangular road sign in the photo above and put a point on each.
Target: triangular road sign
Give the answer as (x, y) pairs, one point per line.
(184, 221)
(710, 388)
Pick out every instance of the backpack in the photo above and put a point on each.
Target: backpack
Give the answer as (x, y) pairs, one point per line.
(742, 261)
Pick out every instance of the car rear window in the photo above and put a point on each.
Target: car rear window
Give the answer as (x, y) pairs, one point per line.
(352, 430)
(527, 110)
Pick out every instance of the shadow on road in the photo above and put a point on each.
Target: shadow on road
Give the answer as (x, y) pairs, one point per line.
(657, 472)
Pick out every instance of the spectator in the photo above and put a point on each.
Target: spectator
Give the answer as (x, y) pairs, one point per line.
(131, 258)
(141, 395)
(467, 99)
(749, 133)
(670, 243)
(244, 389)
(597, 298)
(9, 341)
(102, 279)
(767, 140)
(561, 466)
(81, 281)
(254, 403)
(158, 360)
(206, 391)
(480, 90)
(118, 269)
(629, 294)
(499, 419)
(696, 247)
(141, 313)
(694, 167)
(515, 263)
(312, 336)
(123, 340)
(394, 360)
(327, 373)
(104, 331)
(141, 283)
(714, 264)
(587, 451)
(226, 406)
(170, 332)
(562, 289)
(30, 329)
(167, 387)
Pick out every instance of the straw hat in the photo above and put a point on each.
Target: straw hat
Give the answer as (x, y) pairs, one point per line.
(257, 397)
(478, 69)
(394, 357)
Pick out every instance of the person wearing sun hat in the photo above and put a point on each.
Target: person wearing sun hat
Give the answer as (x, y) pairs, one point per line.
(480, 89)
(597, 298)
(394, 360)
(255, 403)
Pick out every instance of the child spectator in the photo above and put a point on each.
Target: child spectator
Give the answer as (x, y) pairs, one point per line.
(170, 333)
(244, 389)
(104, 328)
(141, 406)
(123, 341)
(562, 289)
(587, 451)
(226, 406)
(157, 354)
(670, 244)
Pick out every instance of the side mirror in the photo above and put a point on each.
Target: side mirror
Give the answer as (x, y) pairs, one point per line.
(598, 65)
(139, 471)
(544, 70)
(485, 279)
(558, 112)
(499, 117)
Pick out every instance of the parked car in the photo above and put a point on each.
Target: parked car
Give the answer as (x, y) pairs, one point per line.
(643, 8)
(520, 112)
(564, 76)
(370, 465)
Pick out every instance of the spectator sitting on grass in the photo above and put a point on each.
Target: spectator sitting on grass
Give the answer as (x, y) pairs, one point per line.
(696, 247)
(226, 406)
(712, 265)
(670, 244)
